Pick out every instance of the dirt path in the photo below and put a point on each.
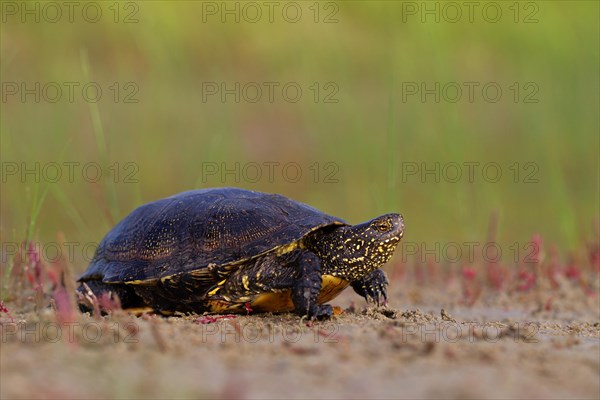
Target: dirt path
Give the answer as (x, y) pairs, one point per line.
(415, 352)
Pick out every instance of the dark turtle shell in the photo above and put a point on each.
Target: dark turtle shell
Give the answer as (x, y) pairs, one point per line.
(192, 230)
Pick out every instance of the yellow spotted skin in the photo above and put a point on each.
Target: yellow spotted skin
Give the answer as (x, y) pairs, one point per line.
(354, 251)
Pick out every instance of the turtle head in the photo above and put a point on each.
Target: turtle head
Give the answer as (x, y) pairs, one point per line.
(351, 252)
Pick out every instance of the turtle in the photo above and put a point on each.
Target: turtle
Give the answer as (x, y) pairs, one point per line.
(231, 251)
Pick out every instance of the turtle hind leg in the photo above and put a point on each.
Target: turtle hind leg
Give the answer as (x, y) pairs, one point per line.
(184, 293)
(307, 287)
(127, 296)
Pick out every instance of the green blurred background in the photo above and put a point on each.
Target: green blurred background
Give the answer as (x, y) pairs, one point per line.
(362, 55)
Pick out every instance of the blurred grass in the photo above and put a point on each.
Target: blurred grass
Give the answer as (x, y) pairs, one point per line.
(369, 133)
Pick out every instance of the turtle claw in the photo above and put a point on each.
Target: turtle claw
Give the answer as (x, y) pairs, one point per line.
(378, 297)
(319, 312)
(373, 287)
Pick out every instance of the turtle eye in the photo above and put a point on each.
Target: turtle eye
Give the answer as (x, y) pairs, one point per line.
(383, 226)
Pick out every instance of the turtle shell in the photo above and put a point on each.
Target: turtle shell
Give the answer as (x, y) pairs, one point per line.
(192, 230)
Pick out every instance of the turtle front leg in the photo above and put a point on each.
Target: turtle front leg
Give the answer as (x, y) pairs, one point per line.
(307, 287)
(373, 287)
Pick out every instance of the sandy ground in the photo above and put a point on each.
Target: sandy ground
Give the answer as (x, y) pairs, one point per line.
(503, 347)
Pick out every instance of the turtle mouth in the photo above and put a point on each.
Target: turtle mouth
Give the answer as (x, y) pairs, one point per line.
(394, 239)
(399, 228)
